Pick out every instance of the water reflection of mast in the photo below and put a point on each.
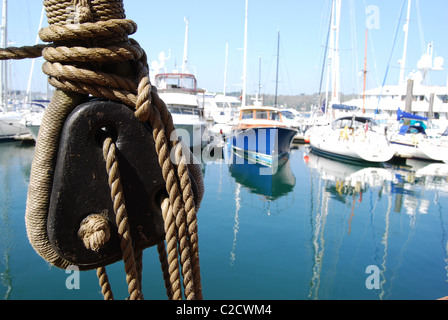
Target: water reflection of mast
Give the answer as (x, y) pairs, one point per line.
(318, 241)
(237, 222)
(385, 241)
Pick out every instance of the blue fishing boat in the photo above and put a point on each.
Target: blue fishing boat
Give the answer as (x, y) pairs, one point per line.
(261, 136)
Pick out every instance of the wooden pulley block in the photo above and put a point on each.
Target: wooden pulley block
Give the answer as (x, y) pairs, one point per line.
(80, 185)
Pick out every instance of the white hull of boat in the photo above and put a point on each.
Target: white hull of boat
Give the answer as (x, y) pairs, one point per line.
(424, 149)
(371, 148)
(11, 126)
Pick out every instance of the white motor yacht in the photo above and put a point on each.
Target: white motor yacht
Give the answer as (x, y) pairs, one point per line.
(179, 92)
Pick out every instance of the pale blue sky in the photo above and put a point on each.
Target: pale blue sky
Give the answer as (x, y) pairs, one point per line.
(302, 25)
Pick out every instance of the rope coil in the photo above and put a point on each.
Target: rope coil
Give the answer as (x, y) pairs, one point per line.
(86, 39)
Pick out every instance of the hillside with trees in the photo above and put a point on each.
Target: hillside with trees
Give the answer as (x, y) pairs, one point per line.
(302, 102)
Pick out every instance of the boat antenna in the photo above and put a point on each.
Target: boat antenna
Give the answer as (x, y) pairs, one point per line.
(185, 58)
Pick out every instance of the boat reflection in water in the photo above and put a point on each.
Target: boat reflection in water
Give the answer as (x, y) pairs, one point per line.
(375, 216)
(271, 186)
(271, 182)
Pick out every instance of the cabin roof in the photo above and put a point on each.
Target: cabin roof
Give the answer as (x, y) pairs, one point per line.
(260, 108)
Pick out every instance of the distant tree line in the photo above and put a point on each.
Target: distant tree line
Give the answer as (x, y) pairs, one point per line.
(301, 102)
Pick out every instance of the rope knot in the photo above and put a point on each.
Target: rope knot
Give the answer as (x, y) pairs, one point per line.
(94, 232)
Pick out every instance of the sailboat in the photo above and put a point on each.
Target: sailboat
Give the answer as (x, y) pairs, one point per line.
(351, 138)
(179, 91)
(19, 120)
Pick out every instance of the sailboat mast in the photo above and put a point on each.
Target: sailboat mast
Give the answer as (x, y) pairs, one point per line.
(276, 79)
(243, 101)
(323, 66)
(3, 63)
(259, 76)
(225, 69)
(406, 33)
(365, 75)
(335, 60)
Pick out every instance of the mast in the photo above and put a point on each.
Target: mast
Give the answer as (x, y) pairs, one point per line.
(365, 75)
(243, 102)
(259, 75)
(185, 58)
(278, 59)
(406, 33)
(225, 69)
(323, 66)
(335, 58)
(330, 48)
(3, 63)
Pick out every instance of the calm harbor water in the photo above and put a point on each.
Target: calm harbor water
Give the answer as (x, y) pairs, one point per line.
(308, 232)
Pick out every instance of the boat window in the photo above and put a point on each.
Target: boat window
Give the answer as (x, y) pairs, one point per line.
(416, 129)
(444, 98)
(342, 123)
(287, 115)
(248, 114)
(185, 82)
(261, 114)
(187, 111)
(274, 115)
(174, 110)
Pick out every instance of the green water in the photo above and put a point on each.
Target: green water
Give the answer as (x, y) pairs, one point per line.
(311, 235)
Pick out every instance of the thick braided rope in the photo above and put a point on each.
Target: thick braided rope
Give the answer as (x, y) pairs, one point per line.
(191, 221)
(116, 192)
(156, 112)
(171, 274)
(175, 195)
(22, 52)
(104, 283)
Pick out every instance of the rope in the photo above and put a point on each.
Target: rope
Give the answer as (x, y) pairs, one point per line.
(87, 40)
(94, 232)
(116, 192)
